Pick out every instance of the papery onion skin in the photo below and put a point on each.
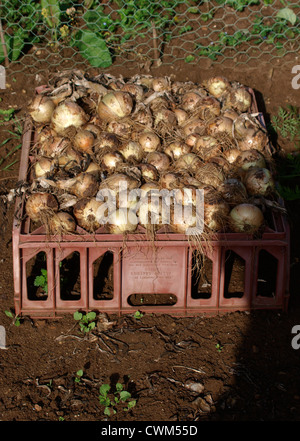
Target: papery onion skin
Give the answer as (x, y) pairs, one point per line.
(149, 172)
(43, 167)
(217, 85)
(122, 221)
(84, 141)
(177, 149)
(149, 141)
(246, 218)
(85, 185)
(62, 223)
(39, 203)
(250, 158)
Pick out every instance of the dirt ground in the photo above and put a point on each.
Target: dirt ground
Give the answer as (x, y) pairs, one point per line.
(242, 364)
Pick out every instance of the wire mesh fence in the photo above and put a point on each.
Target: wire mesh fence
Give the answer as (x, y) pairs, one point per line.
(37, 34)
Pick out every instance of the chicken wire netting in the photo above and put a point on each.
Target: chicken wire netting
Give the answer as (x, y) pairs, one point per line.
(38, 34)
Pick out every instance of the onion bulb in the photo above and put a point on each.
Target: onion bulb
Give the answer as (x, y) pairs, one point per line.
(160, 84)
(216, 211)
(43, 167)
(54, 146)
(39, 204)
(61, 223)
(220, 125)
(169, 180)
(111, 160)
(41, 109)
(189, 162)
(115, 105)
(181, 116)
(149, 172)
(259, 181)
(68, 114)
(160, 160)
(89, 213)
(196, 125)
(190, 101)
(107, 140)
(132, 151)
(250, 158)
(119, 182)
(233, 191)
(83, 185)
(210, 174)
(84, 141)
(231, 155)
(206, 147)
(149, 141)
(135, 90)
(182, 218)
(177, 149)
(217, 85)
(239, 99)
(246, 218)
(122, 220)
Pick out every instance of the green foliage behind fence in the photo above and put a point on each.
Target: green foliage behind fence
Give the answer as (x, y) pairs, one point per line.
(120, 31)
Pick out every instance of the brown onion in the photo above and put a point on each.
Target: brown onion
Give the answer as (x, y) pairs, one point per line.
(114, 106)
(89, 214)
(217, 85)
(54, 146)
(239, 99)
(43, 167)
(210, 174)
(62, 223)
(206, 147)
(111, 160)
(177, 149)
(84, 141)
(160, 160)
(39, 204)
(233, 191)
(149, 172)
(160, 84)
(122, 220)
(259, 181)
(250, 158)
(220, 125)
(41, 109)
(190, 162)
(149, 141)
(132, 151)
(190, 101)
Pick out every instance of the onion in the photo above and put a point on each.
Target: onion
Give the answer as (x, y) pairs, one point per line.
(43, 167)
(94, 169)
(169, 180)
(43, 133)
(231, 155)
(111, 160)
(119, 182)
(39, 204)
(149, 172)
(220, 125)
(181, 116)
(186, 196)
(128, 199)
(190, 162)
(209, 107)
(54, 146)
(160, 84)
(119, 128)
(143, 116)
(115, 105)
(84, 141)
(107, 140)
(165, 119)
(93, 128)
(210, 174)
(246, 218)
(41, 109)
(254, 139)
(149, 141)
(122, 221)
(196, 125)
(222, 163)
(160, 160)
(61, 223)
(233, 191)
(190, 101)
(69, 159)
(83, 185)
(259, 181)
(250, 158)
(89, 213)
(132, 151)
(177, 149)
(217, 85)
(216, 212)
(191, 139)
(183, 218)
(206, 147)
(68, 114)
(239, 99)
(135, 90)
(230, 113)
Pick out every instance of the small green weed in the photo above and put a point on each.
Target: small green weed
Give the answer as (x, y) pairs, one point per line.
(15, 318)
(111, 401)
(79, 374)
(86, 321)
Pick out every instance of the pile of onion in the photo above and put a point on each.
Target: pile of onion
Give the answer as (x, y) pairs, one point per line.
(100, 152)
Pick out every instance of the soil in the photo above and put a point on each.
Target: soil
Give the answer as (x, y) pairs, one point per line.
(242, 364)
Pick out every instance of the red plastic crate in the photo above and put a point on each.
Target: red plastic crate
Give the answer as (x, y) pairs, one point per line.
(144, 269)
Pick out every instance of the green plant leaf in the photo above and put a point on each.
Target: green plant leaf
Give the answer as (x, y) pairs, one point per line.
(9, 314)
(104, 389)
(107, 411)
(131, 404)
(125, 395)
(92, 47)
(77, 315)
(39, 281)
(119, 387)
(91, 315)
(79, 373)
(53, 12)
(288, 15)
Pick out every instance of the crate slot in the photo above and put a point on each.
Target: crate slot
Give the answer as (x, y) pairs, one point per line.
(36, 277)
(234, 285)
(69, 277)
(202, 277)
(266, 274)
(103, 277)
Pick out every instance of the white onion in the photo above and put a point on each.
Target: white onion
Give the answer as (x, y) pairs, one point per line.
(246, 218)
(84, 141)
(122, 221)
(149, 141)
(239, 99)
(62, 223)
(89, 213)
(149, 172)
(39, 204)
(220, 125)
(190, 162)
(68, 114)
(43, 167)
(217, 85)
(132, 151)
(41, 109)
(250, 158)
(177, 149)
(111, 160)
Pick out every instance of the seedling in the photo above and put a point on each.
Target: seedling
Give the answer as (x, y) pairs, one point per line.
(16, 319)
(42, 281)
(86, 321)
(111, 402)
(219, 347)
(78, 376)
(138, 315)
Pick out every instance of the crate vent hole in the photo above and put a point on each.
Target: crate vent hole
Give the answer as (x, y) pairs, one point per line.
(69, 276)
(234, 275)
(151, 299)
(36, 277)
(202, 269)
(266, 274)
(103, 273)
